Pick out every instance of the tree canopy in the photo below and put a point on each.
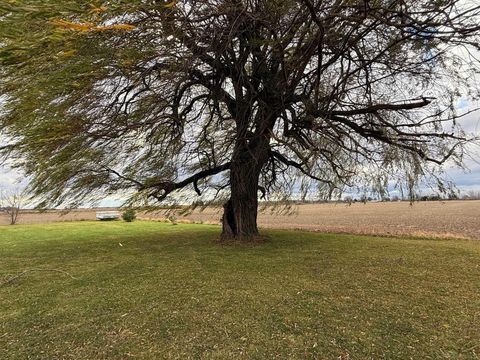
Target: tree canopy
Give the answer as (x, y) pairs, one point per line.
(240, 98)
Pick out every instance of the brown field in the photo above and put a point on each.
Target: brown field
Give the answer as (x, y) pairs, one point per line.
(455, 219)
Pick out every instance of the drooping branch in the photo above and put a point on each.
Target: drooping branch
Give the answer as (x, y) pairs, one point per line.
(407, 105)
(137, 183)
(298, 166)
(169, 186)
(400, 142)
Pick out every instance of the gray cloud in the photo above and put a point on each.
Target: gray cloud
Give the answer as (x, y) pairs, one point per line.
(9, 179)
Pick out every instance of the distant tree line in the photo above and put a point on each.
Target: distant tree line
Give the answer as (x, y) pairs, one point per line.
(472, 195)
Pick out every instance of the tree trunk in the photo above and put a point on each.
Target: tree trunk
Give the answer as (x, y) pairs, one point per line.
(240, 211)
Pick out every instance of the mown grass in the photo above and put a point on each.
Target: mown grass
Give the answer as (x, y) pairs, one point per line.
(149, 290)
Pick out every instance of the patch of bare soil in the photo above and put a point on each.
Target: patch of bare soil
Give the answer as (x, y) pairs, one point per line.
(449, 219)
(37, 217)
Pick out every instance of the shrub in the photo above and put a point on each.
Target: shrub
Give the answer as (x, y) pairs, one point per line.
(129, 215)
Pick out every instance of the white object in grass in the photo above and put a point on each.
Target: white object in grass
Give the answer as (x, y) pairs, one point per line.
(107, 215)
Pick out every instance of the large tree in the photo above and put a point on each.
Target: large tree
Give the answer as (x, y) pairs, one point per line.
(241, 97)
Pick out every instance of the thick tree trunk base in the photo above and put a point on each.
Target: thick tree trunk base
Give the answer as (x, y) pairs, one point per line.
(247, 232)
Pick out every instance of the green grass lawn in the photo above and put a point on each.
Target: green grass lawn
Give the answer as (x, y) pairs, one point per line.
(149, 290)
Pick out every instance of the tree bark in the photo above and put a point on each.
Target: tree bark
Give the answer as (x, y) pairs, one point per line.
(240, 211)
